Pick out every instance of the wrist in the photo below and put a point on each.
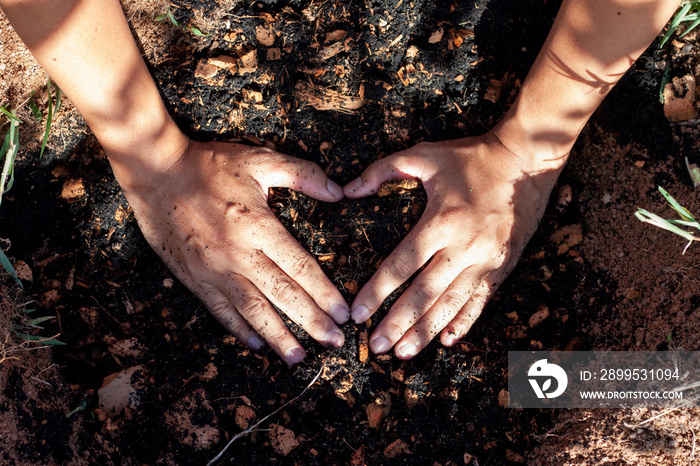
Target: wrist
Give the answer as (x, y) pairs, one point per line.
(539, 139)
(142, 147)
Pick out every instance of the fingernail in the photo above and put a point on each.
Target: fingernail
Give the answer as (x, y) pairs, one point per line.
(334, 189)
(360, 313)
(407, 350)
(335, 338)
(255, 343)
(294, 355)
(340, 313)
(451, 339)
(380, 345)
(354, 184)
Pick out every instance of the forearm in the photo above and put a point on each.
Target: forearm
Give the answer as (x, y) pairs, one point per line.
(87, 48)
(591, 45)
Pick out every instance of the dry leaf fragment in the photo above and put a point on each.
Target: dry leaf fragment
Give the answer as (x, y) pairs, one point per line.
(282, 439)
(436, 36)
(398, 187)
(244, 414)
(567, 237)
(265, 35)
(326, 99)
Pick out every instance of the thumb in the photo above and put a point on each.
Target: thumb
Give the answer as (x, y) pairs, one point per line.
(299, 175)
(406, 164)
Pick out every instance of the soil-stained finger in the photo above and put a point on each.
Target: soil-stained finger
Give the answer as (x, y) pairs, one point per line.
(298, 174)
(257, 311)
(285, 293)
(442, 313)
(410, 255)
(463, 321)
(300, 266)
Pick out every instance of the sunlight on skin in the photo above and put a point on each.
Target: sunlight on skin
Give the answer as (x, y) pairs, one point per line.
(182, 190)
(486, 195)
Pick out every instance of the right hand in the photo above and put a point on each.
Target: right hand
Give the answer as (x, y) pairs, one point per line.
(208, 219)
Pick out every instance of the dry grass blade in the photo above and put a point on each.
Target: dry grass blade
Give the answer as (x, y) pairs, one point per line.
(255, 426)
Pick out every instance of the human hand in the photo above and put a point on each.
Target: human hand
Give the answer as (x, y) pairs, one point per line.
(207, 217)
(484, 204)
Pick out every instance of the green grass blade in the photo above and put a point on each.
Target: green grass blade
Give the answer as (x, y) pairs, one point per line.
(39, 339)
(647, 217)
(7, 265)
(40, 320)
(49, 117)
(59, 101)
(172, 18)
(197, 32)
(691, 27)
(10, 115)
(675, 22)
(682, 211)
(9, 152)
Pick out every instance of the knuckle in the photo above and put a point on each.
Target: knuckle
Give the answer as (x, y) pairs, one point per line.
(453, 299)
(400, 266)
(316, 323)
(300, 268)
(283, 291)
(220, 309)
(425, 295)
(395, 329)
(253, 306)
(276, 333)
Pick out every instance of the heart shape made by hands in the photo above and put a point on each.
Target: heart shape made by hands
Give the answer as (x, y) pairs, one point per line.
(352, 237)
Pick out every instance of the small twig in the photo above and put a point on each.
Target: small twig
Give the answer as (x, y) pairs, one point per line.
(692, 453)
(670, 410)
(42, 381)
(254, 426)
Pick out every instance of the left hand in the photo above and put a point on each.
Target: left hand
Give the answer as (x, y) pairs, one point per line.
(484, 204)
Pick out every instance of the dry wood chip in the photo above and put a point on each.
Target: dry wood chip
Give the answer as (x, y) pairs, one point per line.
(250, 95)
(248, 62)
(127, 348)
(23, 271)
(338, 34)
(224, 62)
(232, 35)
(679, 99)
(330, 51)
(363, 346)
(192, 421)
(537, 318)
(326, 99)
(398, 187)
(503, 398)
(73, 190)
(396, 448)
(378, 410)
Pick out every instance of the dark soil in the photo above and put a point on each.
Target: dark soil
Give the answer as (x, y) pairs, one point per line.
(342, 84)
